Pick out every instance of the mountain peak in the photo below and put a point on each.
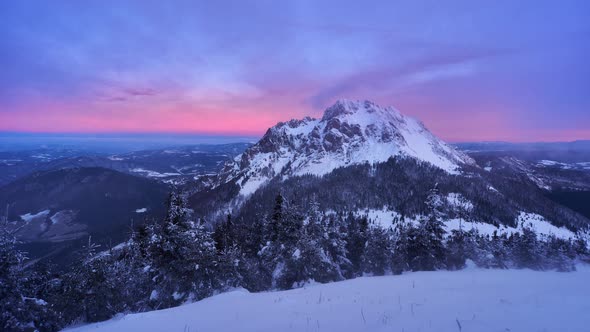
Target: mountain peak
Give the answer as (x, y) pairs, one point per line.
(349, 133)
(345, 107)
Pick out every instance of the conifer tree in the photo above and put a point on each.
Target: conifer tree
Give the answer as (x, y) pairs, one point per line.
(378, 252)
(401, 244)
(356, 242)
(427, 248)
(184, 258)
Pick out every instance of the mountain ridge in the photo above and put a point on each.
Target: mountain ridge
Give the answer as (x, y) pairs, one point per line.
(349, 133)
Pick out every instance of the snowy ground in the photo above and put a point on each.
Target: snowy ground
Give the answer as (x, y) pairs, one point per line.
(543, 227)
(468, 300)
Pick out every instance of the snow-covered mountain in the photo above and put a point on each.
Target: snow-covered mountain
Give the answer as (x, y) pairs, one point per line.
(350, 132)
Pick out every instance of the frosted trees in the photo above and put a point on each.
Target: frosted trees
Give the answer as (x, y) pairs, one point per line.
(279, 256)
(230, 260)
(184, 258)
(378, 252)
(12, 305)
(356, 242)
(427, 251)
(297, 252)
(401, 244)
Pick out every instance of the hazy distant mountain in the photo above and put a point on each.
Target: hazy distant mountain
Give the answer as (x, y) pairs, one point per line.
(172, 165)
(576, 153)
(60, 208)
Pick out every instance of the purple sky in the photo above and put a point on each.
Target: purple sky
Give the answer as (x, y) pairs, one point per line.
(470, 70)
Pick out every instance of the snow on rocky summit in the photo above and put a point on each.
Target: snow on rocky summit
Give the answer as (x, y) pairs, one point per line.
(350, 132)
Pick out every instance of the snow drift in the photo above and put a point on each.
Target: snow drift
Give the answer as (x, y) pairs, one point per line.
(467, 300)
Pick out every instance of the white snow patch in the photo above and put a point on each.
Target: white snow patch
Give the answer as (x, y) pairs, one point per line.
(481, 227)
(153, 174)
(458, 201)
(383, 218)
(552, 163)
(154, 295)
(482, 300)
(142, 210)
(30, 216)
(542, 226)
(57, 217)
(251, 186)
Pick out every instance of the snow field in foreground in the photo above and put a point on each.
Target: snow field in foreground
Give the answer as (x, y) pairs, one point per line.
(458, 301)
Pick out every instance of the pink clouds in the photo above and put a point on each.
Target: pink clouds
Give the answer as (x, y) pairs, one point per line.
(455, 113)
(145, 115)
(483, 123)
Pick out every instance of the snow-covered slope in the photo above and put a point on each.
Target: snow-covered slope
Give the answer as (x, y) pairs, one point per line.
(350, 132)
(468, 300)
(542, 227)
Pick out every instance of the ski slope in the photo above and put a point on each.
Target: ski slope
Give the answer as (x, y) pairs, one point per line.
(467, 300)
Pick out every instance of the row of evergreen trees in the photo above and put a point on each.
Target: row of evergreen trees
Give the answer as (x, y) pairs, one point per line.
(167, 263)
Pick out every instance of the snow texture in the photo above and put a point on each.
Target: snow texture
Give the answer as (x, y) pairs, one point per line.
(551, 163)
(31, 216)
(384, 218)
(349, 133)
(153, 174)
(542, 226)
(467, 300)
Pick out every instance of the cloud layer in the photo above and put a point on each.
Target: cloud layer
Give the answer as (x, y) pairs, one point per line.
(501, 70)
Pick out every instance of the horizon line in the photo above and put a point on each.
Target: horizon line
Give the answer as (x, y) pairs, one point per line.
(233, 135)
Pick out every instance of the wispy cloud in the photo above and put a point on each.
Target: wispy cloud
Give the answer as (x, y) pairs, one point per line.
(241, 66)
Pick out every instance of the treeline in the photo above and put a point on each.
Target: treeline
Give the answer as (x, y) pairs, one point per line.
(401, 185)
(179, 259)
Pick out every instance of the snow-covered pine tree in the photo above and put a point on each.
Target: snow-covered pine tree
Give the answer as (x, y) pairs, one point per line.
(378, 251)
(558, 254)
(282, 233)
(134, 268)
(334, 244)
(90, 287)
(229, 255)
(400, 260)
(457, 249)
(312, 258)
(273, 225)
(356, 241)
(184, 258)
(499, 258)
(427, 250)
(224, 234)
(527, 250)
(251, 239)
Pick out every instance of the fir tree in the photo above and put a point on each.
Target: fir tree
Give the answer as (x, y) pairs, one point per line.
(401, 244)
(427, 250)
(378, 252)
(527, 250)
(356, 242)
(184, 258)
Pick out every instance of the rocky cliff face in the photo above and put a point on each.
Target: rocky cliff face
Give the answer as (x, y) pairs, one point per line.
(350, 132)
